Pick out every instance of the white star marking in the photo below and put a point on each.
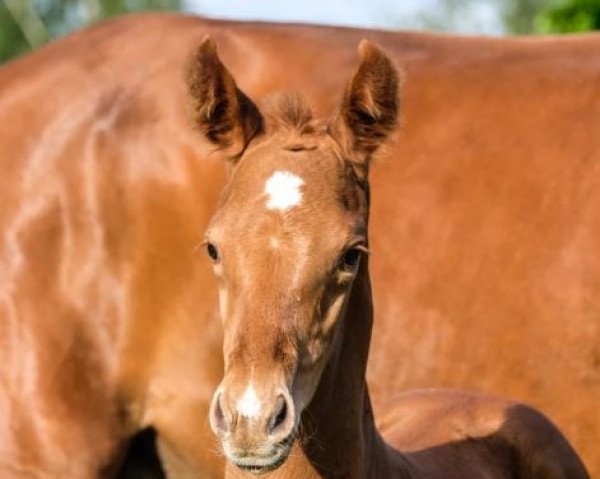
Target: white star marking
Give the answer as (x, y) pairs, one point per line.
(283, 189)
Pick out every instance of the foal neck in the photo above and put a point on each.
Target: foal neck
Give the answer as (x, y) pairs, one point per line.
(338, 437)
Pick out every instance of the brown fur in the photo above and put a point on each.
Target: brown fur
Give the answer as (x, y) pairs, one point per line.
(484, 232)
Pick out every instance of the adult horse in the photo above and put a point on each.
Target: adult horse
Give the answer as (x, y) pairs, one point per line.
(485, 226)
(289, 244)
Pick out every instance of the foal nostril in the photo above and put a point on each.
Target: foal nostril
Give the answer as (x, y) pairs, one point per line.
(280, 415)
(219, 419)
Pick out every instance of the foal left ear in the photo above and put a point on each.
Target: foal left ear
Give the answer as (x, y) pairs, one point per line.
(220, 110)
(369, 110)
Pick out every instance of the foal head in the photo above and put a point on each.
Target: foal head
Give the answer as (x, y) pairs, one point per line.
(286, 242)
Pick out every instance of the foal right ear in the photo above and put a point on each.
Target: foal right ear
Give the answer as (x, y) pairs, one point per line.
(220, 110)
(369, 110)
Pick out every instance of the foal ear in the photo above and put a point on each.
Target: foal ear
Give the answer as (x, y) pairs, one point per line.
(220, 110)
(369, 110)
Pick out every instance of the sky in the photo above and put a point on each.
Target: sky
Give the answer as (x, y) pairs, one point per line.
(472, 17)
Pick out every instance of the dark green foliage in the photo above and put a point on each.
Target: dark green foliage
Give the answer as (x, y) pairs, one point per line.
(12, 40)
(569, 16)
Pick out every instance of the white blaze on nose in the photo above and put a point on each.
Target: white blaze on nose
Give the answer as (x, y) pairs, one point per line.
(283, 190)
(249, 404)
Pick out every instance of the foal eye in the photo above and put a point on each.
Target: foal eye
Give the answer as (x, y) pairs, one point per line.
(213, 252)
(350, 259)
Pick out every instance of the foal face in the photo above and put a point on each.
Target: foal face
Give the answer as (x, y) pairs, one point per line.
(286, 244)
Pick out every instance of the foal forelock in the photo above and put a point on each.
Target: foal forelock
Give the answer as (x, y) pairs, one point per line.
(291, 111)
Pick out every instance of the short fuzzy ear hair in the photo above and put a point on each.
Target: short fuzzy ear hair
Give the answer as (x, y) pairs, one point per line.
(369, 110)
(219, 109)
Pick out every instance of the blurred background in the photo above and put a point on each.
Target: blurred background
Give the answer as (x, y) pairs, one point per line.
(27, 24)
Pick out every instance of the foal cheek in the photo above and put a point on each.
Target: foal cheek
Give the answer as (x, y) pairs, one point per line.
(307, 377)
(332, 313)
(223, 302)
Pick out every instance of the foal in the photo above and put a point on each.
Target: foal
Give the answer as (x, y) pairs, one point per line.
(290, 252)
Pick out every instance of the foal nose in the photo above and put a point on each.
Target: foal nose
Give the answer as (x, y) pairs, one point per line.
(250, 419)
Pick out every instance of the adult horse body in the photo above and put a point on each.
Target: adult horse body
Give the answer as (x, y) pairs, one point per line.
(485, 227)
